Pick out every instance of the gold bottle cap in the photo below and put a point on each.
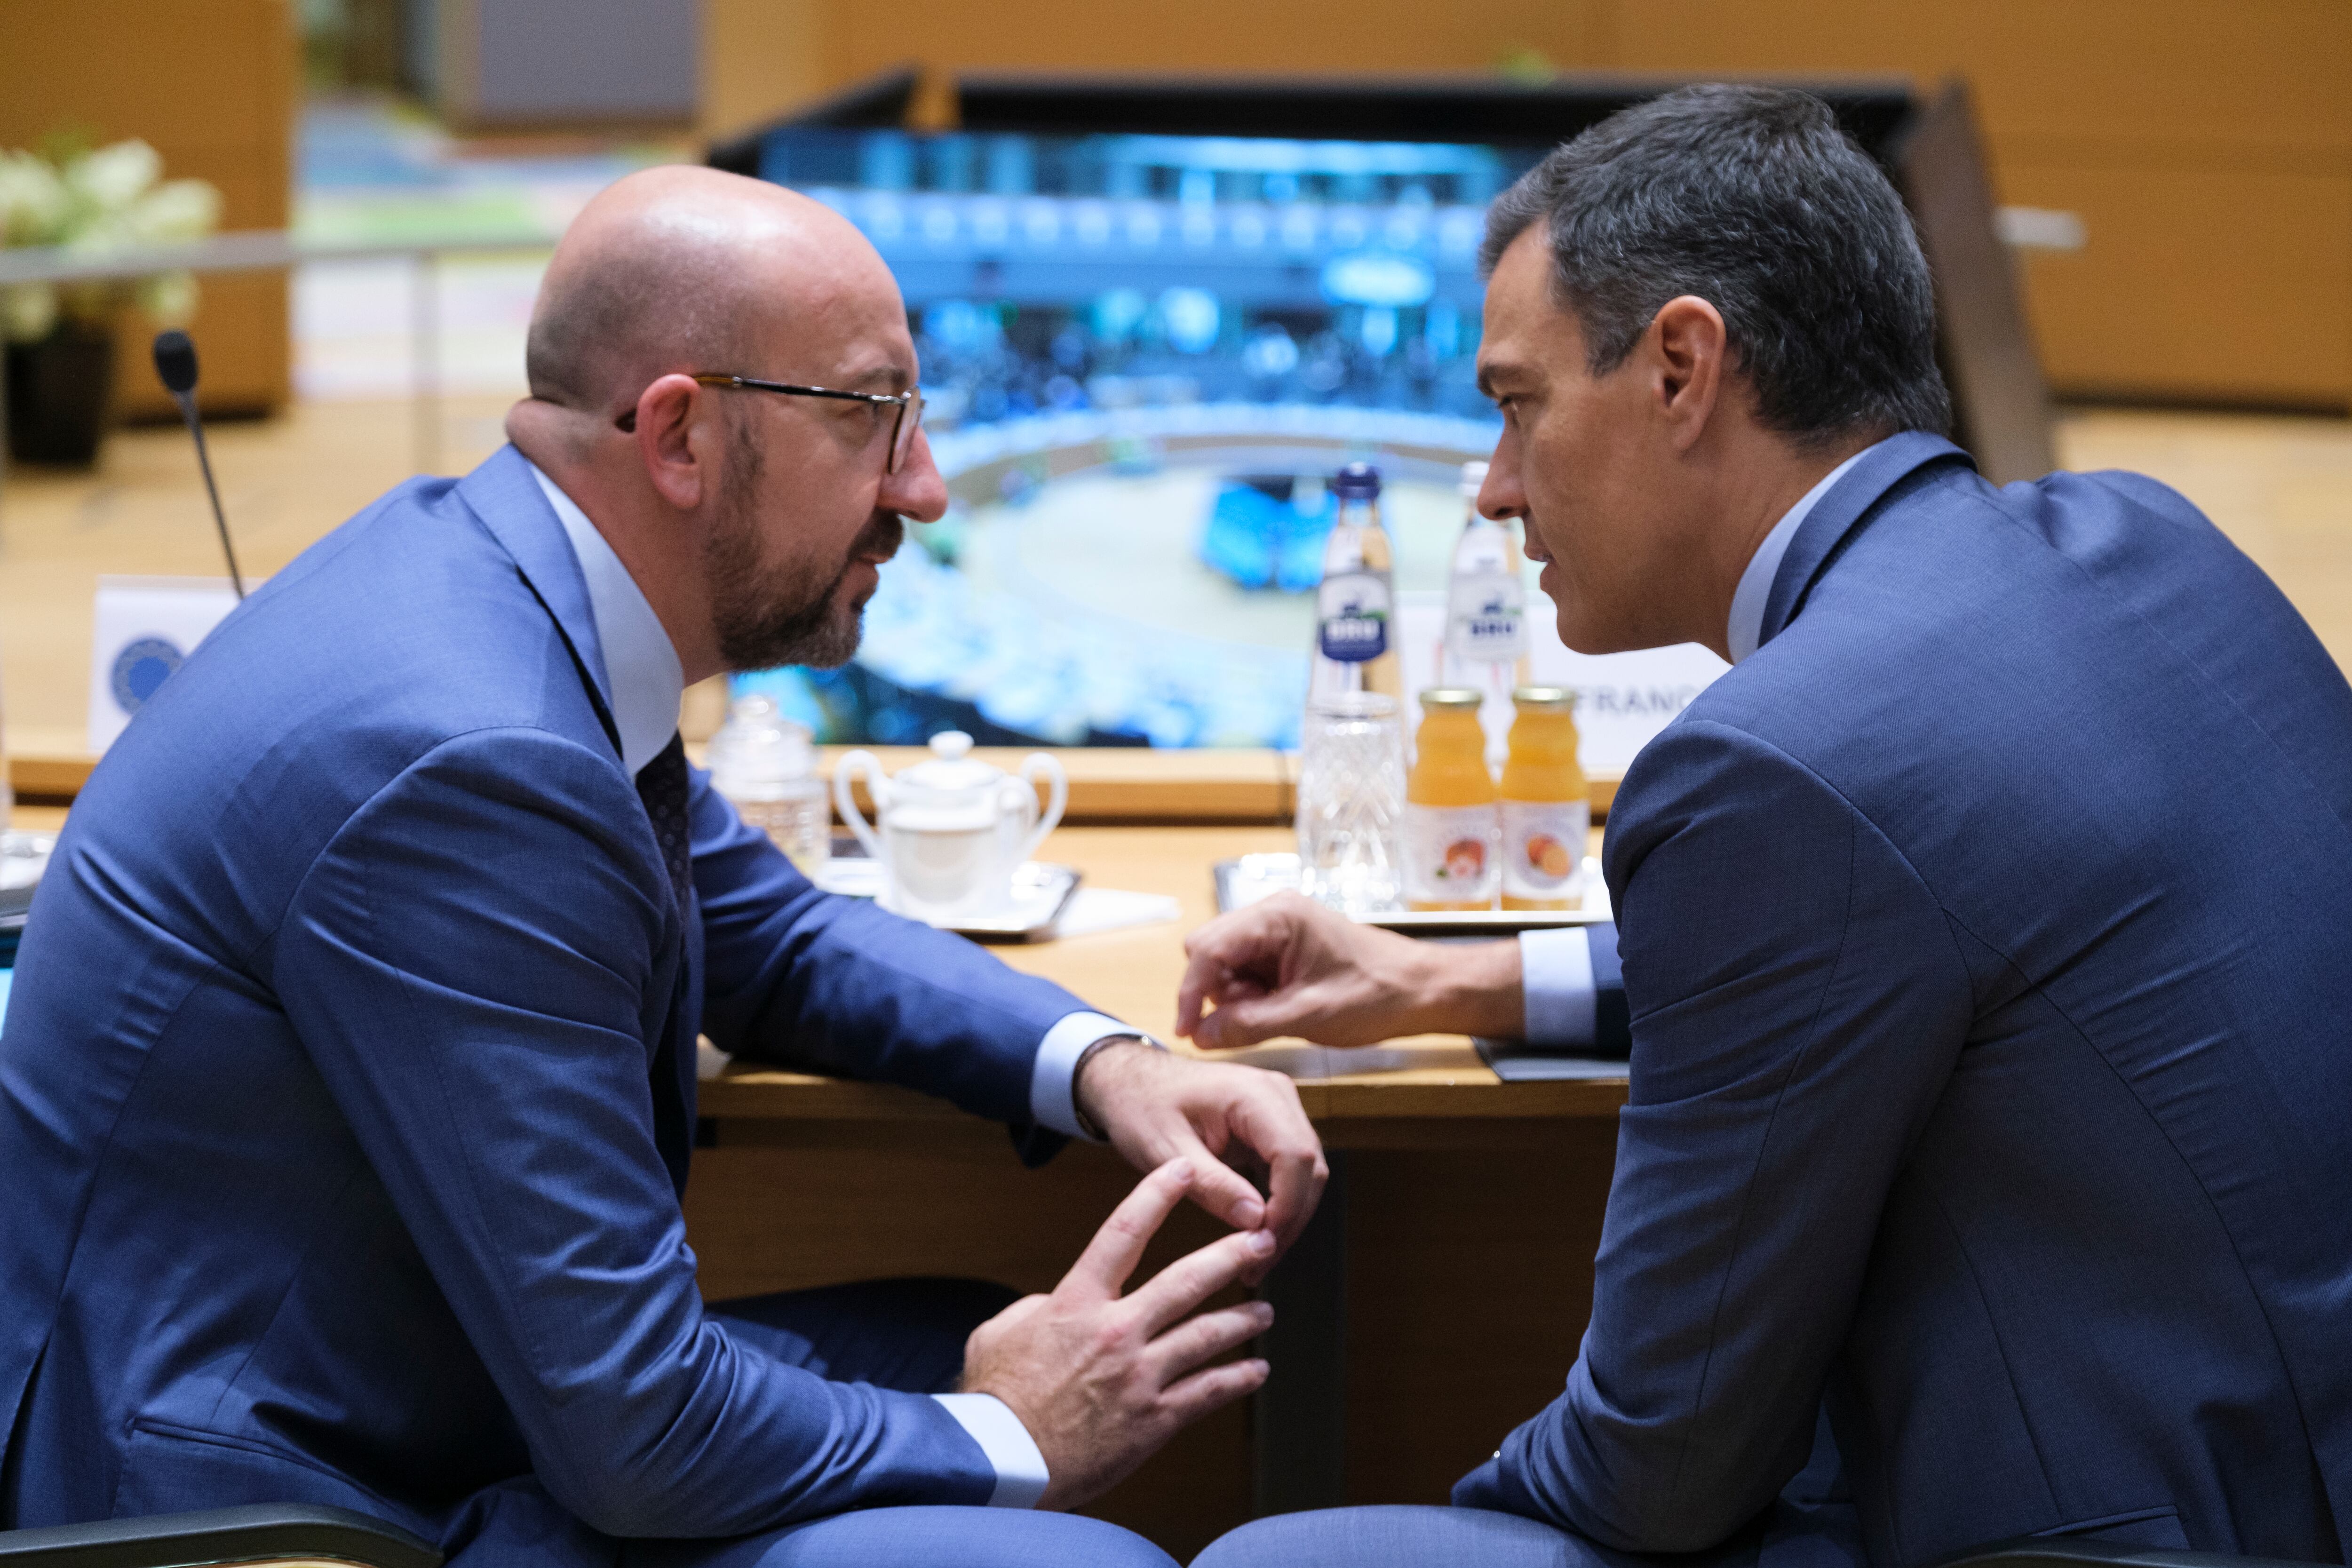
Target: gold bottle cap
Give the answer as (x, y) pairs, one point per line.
(1543, 697)
(1451, 697)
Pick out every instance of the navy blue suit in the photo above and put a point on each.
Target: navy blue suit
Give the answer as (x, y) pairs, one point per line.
(1985, 942)
(347, 1086)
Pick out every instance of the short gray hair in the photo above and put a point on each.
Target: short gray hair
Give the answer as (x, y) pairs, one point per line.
(1752, 199)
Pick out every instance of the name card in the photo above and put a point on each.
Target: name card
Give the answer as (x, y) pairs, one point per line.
(144, 629)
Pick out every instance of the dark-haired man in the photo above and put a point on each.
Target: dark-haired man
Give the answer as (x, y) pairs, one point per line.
(1987, 1169)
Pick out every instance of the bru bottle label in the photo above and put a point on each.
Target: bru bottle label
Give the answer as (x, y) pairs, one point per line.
(1484, 617)
(1543, 847)
(1351, 613)
(1449, 853)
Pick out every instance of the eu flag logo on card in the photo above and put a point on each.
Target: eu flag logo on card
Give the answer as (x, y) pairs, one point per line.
(140, 667)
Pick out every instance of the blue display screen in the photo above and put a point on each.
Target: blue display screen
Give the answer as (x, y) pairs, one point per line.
(1142, 356)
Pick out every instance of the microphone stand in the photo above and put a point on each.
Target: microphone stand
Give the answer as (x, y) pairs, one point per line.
(188, 402)
(175, 363)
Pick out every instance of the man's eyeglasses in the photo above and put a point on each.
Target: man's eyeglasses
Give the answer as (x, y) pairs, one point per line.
(910, 405)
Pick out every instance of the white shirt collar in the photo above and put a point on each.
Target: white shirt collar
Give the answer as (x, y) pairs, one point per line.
(1755, 590)
(640, 662)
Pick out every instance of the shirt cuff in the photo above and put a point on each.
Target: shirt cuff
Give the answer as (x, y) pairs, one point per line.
(1054, 1074)
(1556, 984)
(1020, 1468)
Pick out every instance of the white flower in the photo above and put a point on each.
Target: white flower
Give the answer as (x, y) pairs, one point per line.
(111, 178)
(27, 312)
(176, 210)
(98, 233)
(101, 201)
(33, 201)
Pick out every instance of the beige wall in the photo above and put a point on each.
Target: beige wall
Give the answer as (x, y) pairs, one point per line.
(2208, 148)
(211, 85)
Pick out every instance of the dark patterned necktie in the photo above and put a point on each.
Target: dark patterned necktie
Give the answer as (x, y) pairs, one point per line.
(661, 784)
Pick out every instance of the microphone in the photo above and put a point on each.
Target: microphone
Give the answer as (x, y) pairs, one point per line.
(175, 363)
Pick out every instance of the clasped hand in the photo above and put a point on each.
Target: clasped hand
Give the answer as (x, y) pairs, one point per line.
(1100, 1379)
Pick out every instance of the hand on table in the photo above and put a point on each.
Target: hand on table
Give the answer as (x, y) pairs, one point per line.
(1287, 966)
(1155, 1106)
(1102, 1380)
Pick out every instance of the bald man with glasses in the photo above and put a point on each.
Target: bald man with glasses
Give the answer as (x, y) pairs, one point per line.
(347, 1093)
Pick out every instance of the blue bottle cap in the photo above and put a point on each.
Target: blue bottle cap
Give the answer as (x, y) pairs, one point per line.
(1357, 481)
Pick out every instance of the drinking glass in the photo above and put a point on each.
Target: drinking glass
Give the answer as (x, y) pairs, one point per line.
(1351, 802)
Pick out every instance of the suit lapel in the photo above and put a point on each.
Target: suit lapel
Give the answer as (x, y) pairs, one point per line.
(508, 502)
(1838, 513)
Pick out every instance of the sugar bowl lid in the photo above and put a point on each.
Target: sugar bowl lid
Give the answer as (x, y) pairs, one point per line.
(950, 774)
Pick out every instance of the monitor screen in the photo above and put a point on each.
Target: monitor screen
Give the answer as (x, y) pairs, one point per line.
(1141, 358)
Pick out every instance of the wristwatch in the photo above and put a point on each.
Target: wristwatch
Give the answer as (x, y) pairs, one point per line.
(1077, 1071)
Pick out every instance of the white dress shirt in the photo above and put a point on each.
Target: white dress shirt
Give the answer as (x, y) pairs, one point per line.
(1556, 966)
(647, 683)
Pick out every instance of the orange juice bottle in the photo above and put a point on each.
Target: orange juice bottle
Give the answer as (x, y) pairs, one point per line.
(1449, 813)
(1546, 810)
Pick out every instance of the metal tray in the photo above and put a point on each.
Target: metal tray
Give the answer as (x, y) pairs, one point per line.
(1041, 892)
(1244, 880)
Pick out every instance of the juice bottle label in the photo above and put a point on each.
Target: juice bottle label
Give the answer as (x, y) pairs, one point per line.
(1485, 616)
(1352, 613)
(1543, 847)
(1449, 853)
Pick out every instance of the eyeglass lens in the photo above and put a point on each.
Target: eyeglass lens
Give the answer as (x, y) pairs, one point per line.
(911, 420)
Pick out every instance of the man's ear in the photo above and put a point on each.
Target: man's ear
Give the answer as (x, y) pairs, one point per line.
(674, 440)
(1687, 347)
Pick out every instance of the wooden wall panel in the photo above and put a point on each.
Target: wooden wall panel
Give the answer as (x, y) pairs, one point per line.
(210, 84)
(2208, 148)
(830, 43)
(2258, 80)
(1470, 1280)
(2233, 286)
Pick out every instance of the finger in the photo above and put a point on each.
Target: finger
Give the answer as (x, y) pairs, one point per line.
(1212, 1388)
(1237, 933)
(1205, 1337)
(1296, 1186)
(1246, 1020)
(1173, 1292)
(1217, 1186)
(1203, 977)
(1214, 951)
(1270, 1119)
(1102, 1269)
(1235, 989)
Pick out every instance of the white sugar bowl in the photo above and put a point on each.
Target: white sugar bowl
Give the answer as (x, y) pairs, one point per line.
(949, 830)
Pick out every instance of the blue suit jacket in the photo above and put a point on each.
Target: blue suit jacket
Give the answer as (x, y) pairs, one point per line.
(343, 1164)
(1985, 938)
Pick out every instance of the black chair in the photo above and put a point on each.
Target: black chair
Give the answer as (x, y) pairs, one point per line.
(285, 1535)
(2058, 1551)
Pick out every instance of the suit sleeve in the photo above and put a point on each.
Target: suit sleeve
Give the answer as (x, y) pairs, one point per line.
(824, 983)
(1797, 1002)
(475, 963)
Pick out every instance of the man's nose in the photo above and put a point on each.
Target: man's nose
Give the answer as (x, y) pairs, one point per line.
(917, 489)
(1502, 495)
